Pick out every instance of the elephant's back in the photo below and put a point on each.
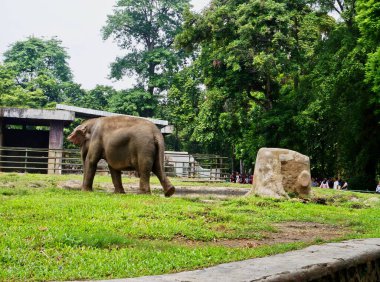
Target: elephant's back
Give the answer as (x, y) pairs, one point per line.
(124, 140)
(115, 123)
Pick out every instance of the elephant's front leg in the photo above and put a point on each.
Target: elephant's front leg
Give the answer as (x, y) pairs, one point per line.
(116, 180)
(89, 170)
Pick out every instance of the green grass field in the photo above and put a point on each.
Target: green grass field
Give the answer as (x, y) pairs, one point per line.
(48, 233)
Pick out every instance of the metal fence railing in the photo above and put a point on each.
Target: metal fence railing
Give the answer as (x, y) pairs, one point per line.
(42, 160)
(201, 166)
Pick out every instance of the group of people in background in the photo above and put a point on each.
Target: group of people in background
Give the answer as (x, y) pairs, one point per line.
(331, 183)
(236, 177)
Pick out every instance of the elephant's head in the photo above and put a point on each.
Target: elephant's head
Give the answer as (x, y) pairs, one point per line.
(78, 136)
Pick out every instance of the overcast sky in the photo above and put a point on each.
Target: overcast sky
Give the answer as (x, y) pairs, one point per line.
(77, 23)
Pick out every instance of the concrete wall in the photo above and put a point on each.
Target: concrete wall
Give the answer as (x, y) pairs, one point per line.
(348, 261)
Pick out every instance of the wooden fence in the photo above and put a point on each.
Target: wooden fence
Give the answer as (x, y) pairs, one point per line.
(177, 164)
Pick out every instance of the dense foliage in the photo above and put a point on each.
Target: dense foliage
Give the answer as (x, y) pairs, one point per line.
(35, 66)
(300, 74)
(145, 29)
(286, 74)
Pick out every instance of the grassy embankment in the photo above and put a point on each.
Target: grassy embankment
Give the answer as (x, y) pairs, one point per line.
(47, 233)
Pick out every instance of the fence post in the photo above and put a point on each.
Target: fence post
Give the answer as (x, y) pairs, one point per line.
(55, 147)
(26, 160)
(191, 169)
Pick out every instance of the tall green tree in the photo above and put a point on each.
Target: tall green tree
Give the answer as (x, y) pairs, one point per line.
(136, 101)
(98, 98)
(369, 25)
(345, 9)
(35, 56)
(40, 64)
(341, 112)
(145, 29)
(252, 46)
(13, 95)
(284, 73)
(184, 99)
(249, 51)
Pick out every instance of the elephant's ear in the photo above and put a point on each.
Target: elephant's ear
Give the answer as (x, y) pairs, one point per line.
(78, 136)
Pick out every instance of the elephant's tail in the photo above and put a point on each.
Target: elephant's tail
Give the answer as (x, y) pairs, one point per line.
(158, 166)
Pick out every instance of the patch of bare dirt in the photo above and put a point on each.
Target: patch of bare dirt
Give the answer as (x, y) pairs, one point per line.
(182, 191)
(77, 184)
(303, 231)
(70, 184)
(288, 232)
(8, 185)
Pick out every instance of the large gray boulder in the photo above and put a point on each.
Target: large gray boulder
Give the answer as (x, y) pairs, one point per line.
(279, 172)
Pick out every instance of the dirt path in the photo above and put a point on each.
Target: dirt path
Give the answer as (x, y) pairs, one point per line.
(287, 232)
(190, 191)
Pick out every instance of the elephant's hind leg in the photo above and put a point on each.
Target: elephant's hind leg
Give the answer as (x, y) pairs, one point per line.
(116, 180)
(169, 191)
(144, 182)
(168, 187)
(144, 169)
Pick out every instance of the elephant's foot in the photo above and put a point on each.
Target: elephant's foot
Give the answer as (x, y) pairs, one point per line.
(170, 191)
(119, 191)
(87, 189)
(143, 192)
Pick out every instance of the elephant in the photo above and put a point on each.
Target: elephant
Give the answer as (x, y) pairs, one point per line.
(126, 143)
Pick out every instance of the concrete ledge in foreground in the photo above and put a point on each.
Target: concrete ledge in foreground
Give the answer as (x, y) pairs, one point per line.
(354, 260)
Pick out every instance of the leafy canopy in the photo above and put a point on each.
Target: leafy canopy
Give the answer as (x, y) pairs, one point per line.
(286, 74)
(39, 65)
(146, 30)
